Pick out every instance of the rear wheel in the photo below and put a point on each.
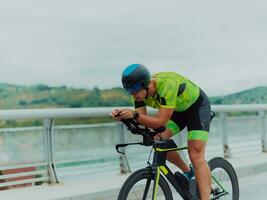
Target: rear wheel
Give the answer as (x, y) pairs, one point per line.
(139, 186)
(224, 180)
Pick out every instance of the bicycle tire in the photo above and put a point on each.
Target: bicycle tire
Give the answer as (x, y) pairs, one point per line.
(219, 164)
(143, 175)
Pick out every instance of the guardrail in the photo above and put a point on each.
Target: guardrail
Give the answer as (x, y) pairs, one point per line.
(46, 171)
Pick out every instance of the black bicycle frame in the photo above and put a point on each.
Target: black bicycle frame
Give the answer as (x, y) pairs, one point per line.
(159, 164)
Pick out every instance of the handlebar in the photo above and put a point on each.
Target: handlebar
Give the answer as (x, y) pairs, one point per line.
(147, 133)
(133, 126)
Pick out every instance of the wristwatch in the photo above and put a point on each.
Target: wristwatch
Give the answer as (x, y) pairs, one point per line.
(135, 115)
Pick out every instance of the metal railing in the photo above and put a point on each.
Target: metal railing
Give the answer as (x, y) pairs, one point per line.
(45, 171)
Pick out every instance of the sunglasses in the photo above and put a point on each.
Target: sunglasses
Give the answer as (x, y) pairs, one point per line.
(136, 88)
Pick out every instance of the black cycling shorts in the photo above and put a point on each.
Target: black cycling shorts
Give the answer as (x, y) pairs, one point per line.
(196, 118)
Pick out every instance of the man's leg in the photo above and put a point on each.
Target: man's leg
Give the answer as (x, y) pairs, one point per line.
(173, 156)
(196, 150)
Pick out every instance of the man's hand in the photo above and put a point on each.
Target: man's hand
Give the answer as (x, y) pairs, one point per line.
(115, 113)
(122, 114)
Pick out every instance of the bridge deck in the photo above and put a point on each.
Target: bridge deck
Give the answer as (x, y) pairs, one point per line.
(103, 187)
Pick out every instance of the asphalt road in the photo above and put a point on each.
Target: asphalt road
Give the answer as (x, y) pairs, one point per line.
(253, 187)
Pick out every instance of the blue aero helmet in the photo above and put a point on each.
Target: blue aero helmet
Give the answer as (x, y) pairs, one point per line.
(135, 77)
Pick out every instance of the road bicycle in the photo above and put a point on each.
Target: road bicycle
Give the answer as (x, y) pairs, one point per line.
(152, 182)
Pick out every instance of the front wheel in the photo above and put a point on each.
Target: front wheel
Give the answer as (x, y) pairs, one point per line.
(224, 180)
(139, 185)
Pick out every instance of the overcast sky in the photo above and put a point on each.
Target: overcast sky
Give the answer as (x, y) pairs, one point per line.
(219, 44)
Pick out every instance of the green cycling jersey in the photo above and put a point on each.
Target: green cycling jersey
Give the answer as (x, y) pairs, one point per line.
(173, 91)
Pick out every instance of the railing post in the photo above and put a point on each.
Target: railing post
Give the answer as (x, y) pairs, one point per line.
(124, 165)
(223, 131)
(48, 126)
(263, 131)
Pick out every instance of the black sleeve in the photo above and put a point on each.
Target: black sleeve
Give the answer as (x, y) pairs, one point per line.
(139, 104)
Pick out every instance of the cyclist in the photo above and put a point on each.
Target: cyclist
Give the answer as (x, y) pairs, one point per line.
(180, 104)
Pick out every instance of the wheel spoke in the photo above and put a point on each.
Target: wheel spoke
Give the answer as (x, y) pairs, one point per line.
(224, 180)
(140, 187)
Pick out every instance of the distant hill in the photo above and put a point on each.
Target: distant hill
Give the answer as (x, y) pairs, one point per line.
(43, 96)
(256, 95)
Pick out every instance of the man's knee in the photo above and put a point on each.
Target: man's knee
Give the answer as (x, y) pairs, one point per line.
(196, 157)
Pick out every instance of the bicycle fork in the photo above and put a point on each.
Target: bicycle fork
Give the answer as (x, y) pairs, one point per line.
(155, 174)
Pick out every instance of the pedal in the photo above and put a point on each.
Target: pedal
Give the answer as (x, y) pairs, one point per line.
(215, 191)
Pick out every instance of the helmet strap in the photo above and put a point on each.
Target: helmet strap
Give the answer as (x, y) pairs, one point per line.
(146, 92)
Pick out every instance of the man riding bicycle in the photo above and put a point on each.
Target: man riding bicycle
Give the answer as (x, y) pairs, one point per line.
(180, 104)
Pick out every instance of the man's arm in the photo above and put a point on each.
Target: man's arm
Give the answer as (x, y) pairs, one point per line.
(120, 114)
(141, 110)
(160, 119)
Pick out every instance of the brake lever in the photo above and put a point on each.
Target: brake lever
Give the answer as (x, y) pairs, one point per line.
(119, 146)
